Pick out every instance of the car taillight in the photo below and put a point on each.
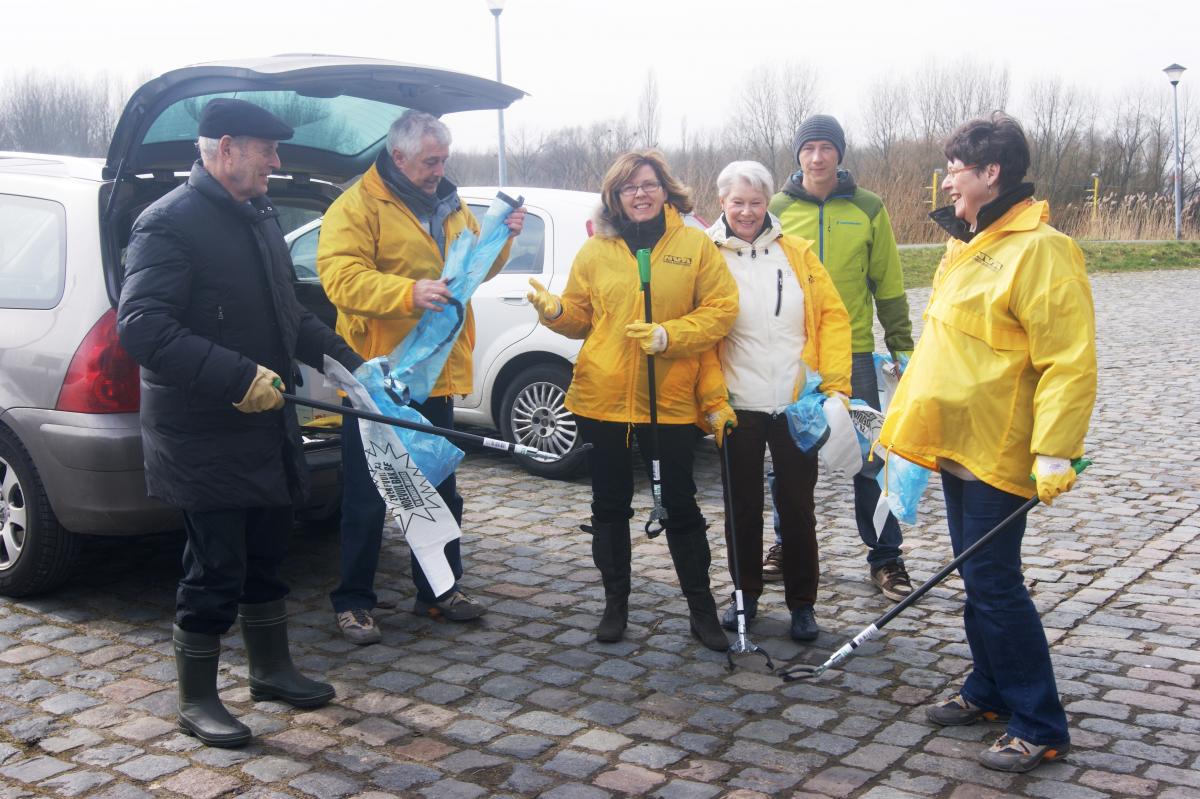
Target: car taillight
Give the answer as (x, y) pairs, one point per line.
(102, 377)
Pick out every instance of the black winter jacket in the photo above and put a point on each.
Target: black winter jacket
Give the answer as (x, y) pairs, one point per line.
(208, 294)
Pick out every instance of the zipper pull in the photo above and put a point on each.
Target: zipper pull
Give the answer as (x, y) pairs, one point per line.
(753, 253)
(220, 313)
(778, 290)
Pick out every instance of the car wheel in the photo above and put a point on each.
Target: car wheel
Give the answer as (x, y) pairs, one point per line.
(36, 553)
(532, 413)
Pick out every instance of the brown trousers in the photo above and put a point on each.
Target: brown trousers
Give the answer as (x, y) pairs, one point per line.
(795, 480)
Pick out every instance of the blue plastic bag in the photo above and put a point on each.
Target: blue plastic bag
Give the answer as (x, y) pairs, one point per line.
(436, 457)
(806, 416)
(903, 482)
(418, 360)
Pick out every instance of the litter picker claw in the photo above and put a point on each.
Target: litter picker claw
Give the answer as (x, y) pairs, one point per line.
(806, 672)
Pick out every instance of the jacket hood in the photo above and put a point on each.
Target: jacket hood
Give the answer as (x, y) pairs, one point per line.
(795, 186)
(719, 233)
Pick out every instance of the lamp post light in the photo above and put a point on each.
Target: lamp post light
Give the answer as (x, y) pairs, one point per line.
(1174, 73)
(497, 6)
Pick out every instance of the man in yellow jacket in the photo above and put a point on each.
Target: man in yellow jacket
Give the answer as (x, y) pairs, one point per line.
(380, 258)
(1001, 385)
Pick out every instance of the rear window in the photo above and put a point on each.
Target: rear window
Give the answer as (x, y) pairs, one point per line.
(342, 125)
(33, 252)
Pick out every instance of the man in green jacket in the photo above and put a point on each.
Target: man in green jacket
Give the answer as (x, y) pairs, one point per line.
(855, 242)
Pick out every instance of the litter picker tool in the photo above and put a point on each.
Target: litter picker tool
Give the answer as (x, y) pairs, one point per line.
(484, 441)
(658, 514)
(805, 672)
(742, 644)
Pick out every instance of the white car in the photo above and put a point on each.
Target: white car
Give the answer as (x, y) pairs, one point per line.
(70, 442)
(522, 369)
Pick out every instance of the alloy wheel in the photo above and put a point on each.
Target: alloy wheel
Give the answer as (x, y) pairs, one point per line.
(12, 516)
(540, 419)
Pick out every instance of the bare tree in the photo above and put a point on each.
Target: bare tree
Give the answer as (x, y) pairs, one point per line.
(648, 114)
(888, 118)
(1057, 114)
(62, 114)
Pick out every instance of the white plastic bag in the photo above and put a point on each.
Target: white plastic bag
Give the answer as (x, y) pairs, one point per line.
(840, 454)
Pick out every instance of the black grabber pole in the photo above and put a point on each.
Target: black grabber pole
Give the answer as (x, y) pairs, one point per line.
(658, 514)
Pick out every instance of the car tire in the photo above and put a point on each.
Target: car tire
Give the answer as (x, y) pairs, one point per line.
(532, 413)
(36, 553)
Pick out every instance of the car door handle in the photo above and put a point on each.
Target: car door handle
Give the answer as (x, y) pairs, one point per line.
(514, 299)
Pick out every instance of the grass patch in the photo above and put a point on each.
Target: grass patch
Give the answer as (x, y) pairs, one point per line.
(919, 263)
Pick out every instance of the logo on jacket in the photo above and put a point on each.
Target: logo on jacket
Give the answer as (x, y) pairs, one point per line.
(988, 262)
(677, 259)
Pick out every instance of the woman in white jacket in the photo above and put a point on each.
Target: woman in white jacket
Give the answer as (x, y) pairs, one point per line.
(790, 319)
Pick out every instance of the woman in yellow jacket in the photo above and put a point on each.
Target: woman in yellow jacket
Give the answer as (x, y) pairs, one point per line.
(790, 319)
(1001, 385)
(694, 303)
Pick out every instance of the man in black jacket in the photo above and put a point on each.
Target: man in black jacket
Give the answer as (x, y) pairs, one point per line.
(209, 312)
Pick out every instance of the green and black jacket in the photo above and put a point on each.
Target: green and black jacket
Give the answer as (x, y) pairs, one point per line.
(854, 241)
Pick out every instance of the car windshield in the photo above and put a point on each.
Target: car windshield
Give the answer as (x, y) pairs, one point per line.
(343, 125)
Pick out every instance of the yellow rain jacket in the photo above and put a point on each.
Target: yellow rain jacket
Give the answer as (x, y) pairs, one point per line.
(371, 252)
(827, 334)
(694, 298)
(1006, 366)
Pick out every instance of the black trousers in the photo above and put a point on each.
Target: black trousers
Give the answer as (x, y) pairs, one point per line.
(232, 557)
(611, 465)
(795, 481)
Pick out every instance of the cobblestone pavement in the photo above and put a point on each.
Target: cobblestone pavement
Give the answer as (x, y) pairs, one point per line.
(526, 703)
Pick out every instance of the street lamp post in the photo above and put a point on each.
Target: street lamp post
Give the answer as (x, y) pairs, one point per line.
(496, 6)
(1174, 73)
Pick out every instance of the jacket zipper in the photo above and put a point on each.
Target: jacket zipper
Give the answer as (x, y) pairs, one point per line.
(778, 290)
(220, 324)
(821, 229)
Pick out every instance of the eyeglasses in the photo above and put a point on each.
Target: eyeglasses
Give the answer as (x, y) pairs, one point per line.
(649, 187)
(951, 171)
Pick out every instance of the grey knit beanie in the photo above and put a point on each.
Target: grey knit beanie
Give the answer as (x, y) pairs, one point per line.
(820, 127)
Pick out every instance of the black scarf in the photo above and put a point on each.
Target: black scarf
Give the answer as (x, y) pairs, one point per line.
(422, 204)
(643, 235)
(989, 213)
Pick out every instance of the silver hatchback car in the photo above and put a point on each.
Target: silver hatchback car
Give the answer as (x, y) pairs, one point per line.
(70, 444)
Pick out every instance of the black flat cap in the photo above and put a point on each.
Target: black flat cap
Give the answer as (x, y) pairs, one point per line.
(225, 116)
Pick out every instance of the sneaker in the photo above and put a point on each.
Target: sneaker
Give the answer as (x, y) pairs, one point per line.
(729, 617)
(1010, 753)
(892, 579)
(958, 712)
(772, 571)
(457, 607)
(358, 627)
(804, 624)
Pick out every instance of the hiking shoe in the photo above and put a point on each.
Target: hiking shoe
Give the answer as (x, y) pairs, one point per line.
(772, 571)
(456, 607)
(804, 624)
(729, 617)
(358, 627)
(1010, 753)
(958, 712)
(892, 579)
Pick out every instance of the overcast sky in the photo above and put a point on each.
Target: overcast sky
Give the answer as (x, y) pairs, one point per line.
(583, 61)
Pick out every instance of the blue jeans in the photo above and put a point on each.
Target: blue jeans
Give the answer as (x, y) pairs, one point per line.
(1011, 669)
(363, 514)
(881, 548)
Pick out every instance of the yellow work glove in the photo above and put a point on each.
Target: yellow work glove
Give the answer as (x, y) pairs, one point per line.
(546, 304)
(720, 419)
(1054, 476)
(650, 337)
(262, 394)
